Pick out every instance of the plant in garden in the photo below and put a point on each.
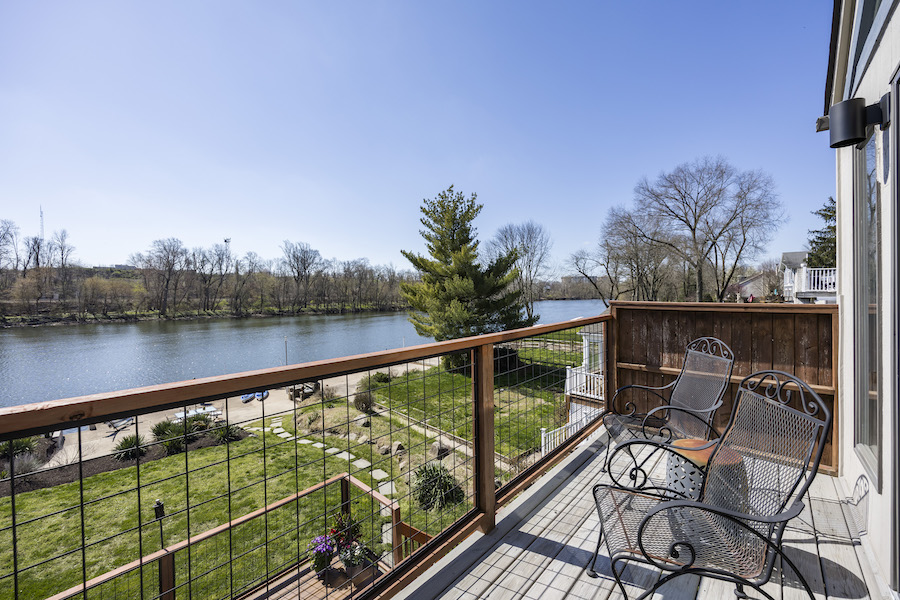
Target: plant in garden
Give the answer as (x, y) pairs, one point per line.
(436, 487)
(130, 447)
(362, 401)
(354, 555)
(345, 532)
(19, 446)
(227, 433)
(321, 551)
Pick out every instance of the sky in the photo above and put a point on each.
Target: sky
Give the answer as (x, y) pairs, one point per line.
(329, 122)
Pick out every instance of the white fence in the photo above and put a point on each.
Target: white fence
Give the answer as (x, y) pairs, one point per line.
(582, 382)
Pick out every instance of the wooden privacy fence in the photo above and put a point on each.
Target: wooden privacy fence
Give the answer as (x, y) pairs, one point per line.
(648, 342)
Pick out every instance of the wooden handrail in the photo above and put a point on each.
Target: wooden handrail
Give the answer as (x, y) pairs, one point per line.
(21, 420)
(169, 551)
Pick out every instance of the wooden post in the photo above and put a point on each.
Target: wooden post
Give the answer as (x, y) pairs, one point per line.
(345, 496)
(396, 538)
(611, 357)
(483, 396)
(167, 576)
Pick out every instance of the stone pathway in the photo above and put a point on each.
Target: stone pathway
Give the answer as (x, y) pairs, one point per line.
(386, 488)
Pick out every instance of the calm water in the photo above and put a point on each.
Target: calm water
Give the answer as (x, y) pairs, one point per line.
(47, 363)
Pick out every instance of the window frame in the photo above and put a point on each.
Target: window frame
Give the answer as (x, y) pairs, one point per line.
(867, 428)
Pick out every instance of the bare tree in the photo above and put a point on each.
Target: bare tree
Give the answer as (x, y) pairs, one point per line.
(712, 214)
(162, 267)
(61, 253)
(301, 260)
(532, 245)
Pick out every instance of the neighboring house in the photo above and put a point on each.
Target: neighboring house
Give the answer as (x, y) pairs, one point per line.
(863, 70)
(751, 287)
(804, 285)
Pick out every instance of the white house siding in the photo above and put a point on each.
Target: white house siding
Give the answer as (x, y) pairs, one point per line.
(876, 83)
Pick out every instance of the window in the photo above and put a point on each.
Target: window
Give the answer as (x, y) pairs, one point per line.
(868, 316)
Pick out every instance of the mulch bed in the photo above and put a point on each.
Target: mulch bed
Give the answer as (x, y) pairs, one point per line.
(45, 448)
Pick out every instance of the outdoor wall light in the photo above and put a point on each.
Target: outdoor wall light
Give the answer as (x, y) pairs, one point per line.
(847, 121)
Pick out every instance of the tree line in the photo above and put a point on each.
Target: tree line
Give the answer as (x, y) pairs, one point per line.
(169, 279)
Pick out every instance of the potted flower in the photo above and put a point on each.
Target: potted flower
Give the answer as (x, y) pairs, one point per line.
(321, 551)
(356, 562)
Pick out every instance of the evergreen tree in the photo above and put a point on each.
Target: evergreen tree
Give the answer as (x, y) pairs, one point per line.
(457, 295)
(823, 242)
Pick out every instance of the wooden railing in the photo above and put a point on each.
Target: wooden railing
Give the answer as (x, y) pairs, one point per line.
(403, 534)
(645, 345)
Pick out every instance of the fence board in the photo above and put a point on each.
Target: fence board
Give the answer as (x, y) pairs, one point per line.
(649, 340)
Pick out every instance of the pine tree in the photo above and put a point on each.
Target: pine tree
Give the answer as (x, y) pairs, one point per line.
(823, 242)
(458, 296)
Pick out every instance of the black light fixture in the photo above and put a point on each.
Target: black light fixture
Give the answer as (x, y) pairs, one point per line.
(847, 121)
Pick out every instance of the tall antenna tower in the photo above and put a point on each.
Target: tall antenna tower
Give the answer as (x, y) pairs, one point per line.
(42, 223)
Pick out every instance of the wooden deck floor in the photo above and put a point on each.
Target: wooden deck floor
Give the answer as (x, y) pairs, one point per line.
(545, 538)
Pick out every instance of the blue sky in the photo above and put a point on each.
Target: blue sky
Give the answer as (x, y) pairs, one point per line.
(329, 122)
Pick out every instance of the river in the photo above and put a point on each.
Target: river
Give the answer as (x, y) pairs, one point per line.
(48, 363)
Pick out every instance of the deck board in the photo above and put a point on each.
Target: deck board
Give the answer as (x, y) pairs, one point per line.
(545, 539)
(545, 554)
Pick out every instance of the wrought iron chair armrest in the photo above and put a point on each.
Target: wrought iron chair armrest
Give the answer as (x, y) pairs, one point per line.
(795, 509)
(635, 470)
(738, 518)
(653, 390)
(711, 433)
(661, 496)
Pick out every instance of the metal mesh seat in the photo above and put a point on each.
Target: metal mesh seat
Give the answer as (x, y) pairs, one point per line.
(686, 406)
(752, 486)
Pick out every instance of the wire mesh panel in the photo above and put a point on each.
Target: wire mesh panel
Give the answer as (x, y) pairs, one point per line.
(536, 407)
(322, 484)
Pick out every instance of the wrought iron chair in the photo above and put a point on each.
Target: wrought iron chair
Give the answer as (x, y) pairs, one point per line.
(756, 475)
(688, 404)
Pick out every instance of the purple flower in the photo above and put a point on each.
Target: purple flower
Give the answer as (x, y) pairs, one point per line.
(321, 545)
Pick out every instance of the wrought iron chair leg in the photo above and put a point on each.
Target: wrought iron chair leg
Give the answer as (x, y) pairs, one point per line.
(617, 575)
(605, 465)
(739, 591)
(592, 571)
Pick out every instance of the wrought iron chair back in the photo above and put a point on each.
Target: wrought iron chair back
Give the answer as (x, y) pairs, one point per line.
(767, 457)
(703, 380)
(687, 404)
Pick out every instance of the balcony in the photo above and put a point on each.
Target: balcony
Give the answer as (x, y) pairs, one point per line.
(805, 285)
(405, 453)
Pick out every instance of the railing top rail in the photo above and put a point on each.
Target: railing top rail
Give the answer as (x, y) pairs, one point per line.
(100, 407)
(727, 307)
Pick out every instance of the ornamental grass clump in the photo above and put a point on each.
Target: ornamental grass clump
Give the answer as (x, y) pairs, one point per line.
(130, 447)
(436, 487)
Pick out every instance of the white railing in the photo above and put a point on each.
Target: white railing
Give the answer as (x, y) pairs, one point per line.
(553, 438)
(805, 279)
(582, 382)
(821, 280)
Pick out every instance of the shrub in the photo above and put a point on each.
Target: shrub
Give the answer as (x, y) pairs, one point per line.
(363, 401)
(19, 446)
(435, 487)
(227, 433)
(130, 447)
(381, 378)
